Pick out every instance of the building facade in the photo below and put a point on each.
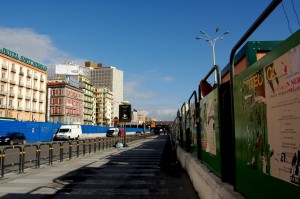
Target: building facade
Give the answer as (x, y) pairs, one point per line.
(89, 102)
(65, 103)
(104, 107)
(22, 87)
(111, 78)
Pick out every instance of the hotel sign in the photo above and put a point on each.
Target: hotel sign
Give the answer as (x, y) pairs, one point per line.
(23, 59)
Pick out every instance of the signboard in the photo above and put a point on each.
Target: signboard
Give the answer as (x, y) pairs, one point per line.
(125, 113)
(23, 59)
(64, 69)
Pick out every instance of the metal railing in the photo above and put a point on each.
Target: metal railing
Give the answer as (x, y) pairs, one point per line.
(19, 157)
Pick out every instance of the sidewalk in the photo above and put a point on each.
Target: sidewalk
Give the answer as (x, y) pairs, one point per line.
(130, 172)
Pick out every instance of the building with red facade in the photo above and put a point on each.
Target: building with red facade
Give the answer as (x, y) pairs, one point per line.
(65, 103)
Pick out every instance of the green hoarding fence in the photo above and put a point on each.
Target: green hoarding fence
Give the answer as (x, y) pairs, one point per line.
(267, 124)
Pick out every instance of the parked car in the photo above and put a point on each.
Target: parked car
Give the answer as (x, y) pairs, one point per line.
(112, 132)
(13, 138)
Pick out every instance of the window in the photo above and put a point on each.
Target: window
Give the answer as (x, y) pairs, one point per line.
(1, 115)
(27, 105)
(3, 74)
(1, 102)
(19, 104)
(12, 77)
(52, 100)
(59, 101)
(53, 92)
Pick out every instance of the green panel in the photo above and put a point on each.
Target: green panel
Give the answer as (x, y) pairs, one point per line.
(210, 136)
(250, 50)
(267, 124)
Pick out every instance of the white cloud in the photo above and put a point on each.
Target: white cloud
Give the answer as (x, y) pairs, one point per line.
(131, 91)
(35, 46)
(167, 79)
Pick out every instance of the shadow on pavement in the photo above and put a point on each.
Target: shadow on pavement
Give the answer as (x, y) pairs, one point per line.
(149, 170)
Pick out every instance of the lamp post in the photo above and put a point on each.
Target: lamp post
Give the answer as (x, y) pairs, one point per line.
(212, 41)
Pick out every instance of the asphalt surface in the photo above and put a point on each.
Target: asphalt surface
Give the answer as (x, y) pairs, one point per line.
(147, 168)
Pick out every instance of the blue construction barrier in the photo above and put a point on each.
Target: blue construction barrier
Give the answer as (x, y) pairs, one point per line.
(44, 131)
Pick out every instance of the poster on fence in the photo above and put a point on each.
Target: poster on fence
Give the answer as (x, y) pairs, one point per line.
(209, 121)
(283, 114)
(270, 127)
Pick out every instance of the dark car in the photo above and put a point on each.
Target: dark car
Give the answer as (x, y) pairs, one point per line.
(13, 138)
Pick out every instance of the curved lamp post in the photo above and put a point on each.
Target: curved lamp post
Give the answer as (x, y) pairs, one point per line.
(212, 41)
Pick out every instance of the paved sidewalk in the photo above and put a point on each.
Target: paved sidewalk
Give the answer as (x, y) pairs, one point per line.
(131, 172)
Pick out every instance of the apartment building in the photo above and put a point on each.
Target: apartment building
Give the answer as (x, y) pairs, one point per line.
(111, 78)
(65, 103)
(22, 87)
(79, 77)
(89, 102)
(104, 107)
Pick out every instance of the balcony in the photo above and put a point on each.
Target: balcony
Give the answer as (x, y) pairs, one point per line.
(13, 69)
(2, 93)
(35, 77)
(4, 66)
(20, 96)
(27, 97)
(21, 72)
(13, 82)
(28, 85)
(3, 79)
(42, 79)
(21, 84)
(20, 109)
(11, 94)
(2, 106)
(29, 75)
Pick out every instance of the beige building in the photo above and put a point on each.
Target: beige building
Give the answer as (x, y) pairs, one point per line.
(111, 78)
(104, 107)
(89, 101)
(22, 87)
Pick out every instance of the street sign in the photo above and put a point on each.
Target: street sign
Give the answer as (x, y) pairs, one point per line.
(116, 120)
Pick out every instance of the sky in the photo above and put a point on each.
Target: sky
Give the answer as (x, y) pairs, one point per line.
(151, 41)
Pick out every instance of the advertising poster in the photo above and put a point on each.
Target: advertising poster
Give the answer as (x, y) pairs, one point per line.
(283, 114)
(208, 116)
(125, 113)
(271, 114)
(255, 131)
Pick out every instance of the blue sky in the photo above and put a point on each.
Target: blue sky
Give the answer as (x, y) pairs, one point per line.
(152, 41)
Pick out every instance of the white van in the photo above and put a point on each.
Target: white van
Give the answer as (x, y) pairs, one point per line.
(112, 132)
(69, 131)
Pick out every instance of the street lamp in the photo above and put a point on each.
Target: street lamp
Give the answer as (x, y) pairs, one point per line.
(212, 41)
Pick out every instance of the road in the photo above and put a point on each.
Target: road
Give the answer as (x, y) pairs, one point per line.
(131, 172)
